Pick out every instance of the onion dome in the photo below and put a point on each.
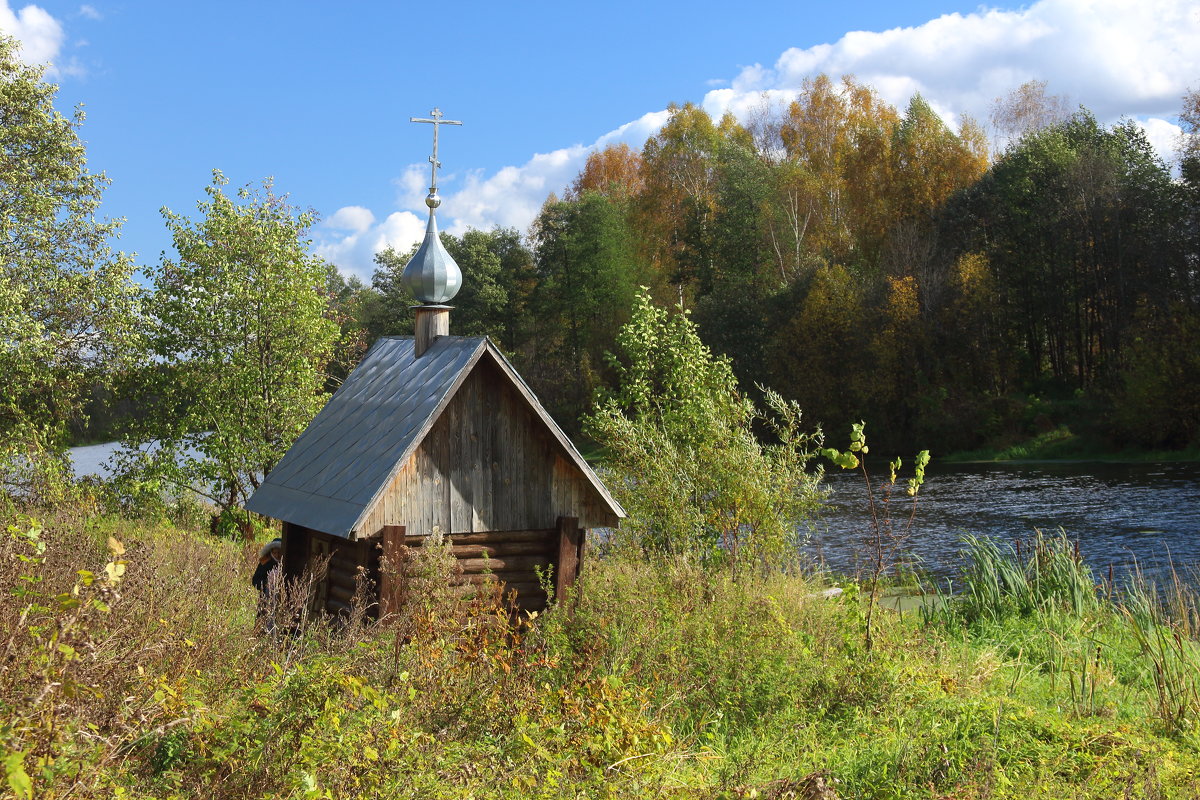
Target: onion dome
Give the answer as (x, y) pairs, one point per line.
(432, 276)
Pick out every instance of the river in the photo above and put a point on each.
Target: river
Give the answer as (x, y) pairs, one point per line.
(1120, 513)
(92, 459)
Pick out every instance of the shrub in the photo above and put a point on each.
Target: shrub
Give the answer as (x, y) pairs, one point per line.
(683, 455)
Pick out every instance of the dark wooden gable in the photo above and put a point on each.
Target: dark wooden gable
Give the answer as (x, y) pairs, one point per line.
(488, 463)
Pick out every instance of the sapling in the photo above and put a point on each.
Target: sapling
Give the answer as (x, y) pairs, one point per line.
(884, 539)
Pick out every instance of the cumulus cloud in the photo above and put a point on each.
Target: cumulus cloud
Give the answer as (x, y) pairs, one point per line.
(354, 252)
(351, 218)
(1114, 57)
(41, 35)
(1163, 135)
(510, 198)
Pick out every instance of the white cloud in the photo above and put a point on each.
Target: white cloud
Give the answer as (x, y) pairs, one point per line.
(413, 185)
(41, 35)
(90, 12)
(351, 218)
(1164, 136)
(1110, 55)
(511, 197)
(1114, 57)
(354, 252)
(514, 195)
(633, 133)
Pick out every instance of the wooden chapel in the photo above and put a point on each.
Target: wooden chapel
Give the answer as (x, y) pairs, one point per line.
(434, 431)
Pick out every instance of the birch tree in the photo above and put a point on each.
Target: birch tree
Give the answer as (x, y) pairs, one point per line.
(241, 333)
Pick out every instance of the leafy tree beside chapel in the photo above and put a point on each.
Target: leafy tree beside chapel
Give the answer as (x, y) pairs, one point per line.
(240, 333)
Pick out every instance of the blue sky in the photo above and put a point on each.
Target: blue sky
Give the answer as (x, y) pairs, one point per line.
(319, 95)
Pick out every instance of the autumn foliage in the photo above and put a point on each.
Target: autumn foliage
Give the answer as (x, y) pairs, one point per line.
(870, 262)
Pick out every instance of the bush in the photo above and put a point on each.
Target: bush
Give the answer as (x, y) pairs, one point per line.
(683, 455)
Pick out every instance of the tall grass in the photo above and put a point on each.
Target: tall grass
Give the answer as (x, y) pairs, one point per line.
(664, 681)
(1020, 580)
(1163, 620)
(1143, 639)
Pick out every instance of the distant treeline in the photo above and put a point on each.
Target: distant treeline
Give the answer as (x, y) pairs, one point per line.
(869, 264)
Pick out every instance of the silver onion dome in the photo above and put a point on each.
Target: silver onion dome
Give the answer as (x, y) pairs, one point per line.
(432, 276)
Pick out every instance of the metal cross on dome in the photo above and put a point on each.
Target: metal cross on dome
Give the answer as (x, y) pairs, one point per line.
(436, 120)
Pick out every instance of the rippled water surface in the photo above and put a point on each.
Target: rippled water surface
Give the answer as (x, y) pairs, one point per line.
(1119, 513)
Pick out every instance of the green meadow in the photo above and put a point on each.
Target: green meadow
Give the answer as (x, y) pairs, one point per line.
(134, 667)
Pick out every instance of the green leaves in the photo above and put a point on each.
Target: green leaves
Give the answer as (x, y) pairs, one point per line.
(67, 302)
(241, 332)
(687, 464)
(18, 779)
(858, 444)
(915, 482)
(843, 460)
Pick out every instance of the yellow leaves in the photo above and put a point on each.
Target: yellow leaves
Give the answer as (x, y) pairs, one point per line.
(115, 568)
(903, 307)
(615, 170)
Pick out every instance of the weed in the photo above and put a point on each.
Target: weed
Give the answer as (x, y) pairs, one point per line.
(665, 679)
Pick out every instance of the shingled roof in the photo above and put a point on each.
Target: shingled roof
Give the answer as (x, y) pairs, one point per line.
(335, 471)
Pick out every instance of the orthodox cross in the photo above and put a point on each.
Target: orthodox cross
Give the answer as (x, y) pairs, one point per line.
(437, 120)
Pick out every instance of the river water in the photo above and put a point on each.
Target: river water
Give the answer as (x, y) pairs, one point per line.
(1120, 513)
(92, 459)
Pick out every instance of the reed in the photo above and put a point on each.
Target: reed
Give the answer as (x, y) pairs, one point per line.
(1020, 580)
(1163, 621)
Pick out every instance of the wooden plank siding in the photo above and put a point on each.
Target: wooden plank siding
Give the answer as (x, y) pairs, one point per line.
(486, 465)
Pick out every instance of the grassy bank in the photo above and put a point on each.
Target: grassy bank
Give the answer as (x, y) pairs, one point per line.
(1060, 444)
(144, 676)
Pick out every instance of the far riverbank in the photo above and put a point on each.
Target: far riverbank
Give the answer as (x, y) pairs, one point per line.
(1060, 444)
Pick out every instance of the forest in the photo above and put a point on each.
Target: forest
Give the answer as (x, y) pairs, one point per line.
(869, 264)
(1034, 278)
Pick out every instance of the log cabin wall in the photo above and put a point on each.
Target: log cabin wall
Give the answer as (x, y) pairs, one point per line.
(486, 465)
(517, 559)
(511, 557)
(334, 592)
